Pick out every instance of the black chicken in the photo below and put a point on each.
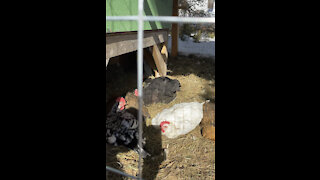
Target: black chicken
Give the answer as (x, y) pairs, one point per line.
(160, 90)
(122, 129)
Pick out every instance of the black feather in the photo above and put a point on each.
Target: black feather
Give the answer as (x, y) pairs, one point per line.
(160, 90)
(122, 129)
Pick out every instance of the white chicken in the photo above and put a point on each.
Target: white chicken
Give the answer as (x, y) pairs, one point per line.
(180, 119)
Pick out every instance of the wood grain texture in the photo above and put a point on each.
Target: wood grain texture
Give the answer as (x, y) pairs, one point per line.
(160, 60)
(118, 44)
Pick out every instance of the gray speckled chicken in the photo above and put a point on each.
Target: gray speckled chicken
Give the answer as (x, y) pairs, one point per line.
(122, 129)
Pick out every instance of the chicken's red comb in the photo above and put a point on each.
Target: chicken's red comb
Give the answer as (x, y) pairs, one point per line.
(136, 93)
(119, 99)
(122, 102)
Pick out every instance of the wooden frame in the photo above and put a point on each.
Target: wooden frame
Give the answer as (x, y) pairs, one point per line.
(122, 43)
(126, 42)
(160, 56)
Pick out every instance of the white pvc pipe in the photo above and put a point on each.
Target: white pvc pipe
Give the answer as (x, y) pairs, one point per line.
(139, 81)
(172, 19)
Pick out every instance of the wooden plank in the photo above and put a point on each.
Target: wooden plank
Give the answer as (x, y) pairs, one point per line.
(174, 31)
(160, 60)
(147, 57)
(164, 51)
(125, 43)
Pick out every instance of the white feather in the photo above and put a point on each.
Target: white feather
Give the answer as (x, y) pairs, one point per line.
(183, 118)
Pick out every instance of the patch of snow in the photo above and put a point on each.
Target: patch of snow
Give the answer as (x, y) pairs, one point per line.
(206, 47)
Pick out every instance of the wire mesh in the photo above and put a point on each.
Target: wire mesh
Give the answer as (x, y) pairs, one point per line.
(140, 19)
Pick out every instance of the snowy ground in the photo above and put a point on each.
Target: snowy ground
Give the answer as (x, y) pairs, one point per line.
(206, 48)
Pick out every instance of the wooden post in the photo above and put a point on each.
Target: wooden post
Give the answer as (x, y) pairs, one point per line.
(164, 51)
(147, 56)
(174, 31)
(160, 59)
(210, 4)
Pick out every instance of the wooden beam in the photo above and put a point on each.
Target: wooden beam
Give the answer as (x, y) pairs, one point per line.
(160, 60)
(122, 43)
(147, 57)
(164, 51)
(174, 31)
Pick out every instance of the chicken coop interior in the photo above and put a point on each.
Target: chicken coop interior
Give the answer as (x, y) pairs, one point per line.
(178, 107)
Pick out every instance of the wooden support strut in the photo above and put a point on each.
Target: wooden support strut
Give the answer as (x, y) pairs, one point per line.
(160, 58)
(147, 56)
(122, 43)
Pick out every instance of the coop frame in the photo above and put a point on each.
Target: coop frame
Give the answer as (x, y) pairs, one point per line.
(140, 38)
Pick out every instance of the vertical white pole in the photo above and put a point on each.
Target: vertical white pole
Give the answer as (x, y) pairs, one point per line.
(140, 75)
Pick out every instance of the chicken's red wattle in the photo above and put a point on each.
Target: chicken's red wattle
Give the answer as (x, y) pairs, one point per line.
(162, 125)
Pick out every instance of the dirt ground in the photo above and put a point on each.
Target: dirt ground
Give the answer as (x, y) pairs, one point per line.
(187, 157)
